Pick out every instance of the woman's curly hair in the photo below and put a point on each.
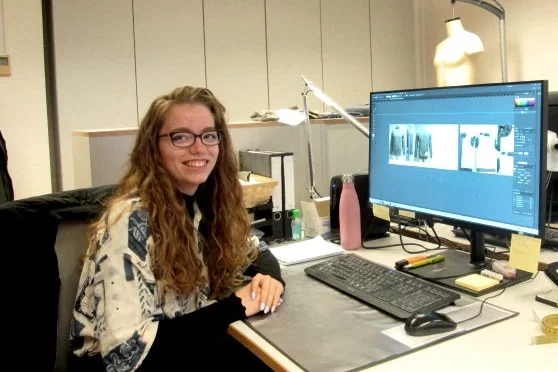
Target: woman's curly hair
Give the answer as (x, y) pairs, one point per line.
(173, 254)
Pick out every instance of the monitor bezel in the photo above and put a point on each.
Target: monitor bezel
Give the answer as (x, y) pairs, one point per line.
(473, 260)
(434, 218)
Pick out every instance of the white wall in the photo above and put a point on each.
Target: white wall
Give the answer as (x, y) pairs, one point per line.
(95, 70)
(531, 29)
(23, 113)
(120, 54)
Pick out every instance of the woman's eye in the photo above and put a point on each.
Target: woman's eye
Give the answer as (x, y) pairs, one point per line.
(182, 137)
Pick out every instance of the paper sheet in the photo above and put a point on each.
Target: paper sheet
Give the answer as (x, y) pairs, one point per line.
(306, 250)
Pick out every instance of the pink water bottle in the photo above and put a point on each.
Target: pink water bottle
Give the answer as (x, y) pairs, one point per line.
(349, 215)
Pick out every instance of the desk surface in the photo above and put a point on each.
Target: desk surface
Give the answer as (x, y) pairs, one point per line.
(502, 346)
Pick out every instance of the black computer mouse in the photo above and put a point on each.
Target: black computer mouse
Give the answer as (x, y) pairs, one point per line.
(428, 323)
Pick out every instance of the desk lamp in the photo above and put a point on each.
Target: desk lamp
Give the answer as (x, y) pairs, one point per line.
(309, 86)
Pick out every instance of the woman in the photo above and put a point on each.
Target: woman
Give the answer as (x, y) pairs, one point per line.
(169, 259)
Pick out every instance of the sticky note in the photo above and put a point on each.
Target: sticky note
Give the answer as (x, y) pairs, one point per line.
(525, 252)
(405, 213)
(476, 282)
(380, 211)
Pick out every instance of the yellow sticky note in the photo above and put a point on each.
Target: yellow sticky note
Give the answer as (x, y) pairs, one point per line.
(525, 252)
(380, 211)
(476, 282)
(405, 213)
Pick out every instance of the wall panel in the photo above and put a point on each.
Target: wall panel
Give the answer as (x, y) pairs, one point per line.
(169, 47)
(236, 55)
(95, 70)
(346, 51)
(393, 46)
(293, 49)
(23, 109)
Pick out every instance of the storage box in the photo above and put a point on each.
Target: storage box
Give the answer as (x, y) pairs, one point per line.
(257, 190)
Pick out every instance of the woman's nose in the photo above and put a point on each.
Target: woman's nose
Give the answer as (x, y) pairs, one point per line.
(198, 145)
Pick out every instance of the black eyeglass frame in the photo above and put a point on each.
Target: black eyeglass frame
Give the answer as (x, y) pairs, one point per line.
(196, 136)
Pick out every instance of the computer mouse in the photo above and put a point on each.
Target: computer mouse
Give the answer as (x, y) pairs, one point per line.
(428, 323)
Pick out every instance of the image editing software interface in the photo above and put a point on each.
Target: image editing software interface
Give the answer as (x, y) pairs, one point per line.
(470, 156)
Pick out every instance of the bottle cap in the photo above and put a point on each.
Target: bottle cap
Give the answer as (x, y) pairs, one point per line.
(296, 213)
(347, 178)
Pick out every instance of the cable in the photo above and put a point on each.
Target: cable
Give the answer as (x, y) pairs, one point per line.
(493, 296)
(404, 245)
(312, 189)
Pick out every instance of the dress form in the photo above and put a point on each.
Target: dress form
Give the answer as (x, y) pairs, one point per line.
(453, 58)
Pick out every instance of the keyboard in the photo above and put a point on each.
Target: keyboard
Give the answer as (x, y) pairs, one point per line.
(388, 290)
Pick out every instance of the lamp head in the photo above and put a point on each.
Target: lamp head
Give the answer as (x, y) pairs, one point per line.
(290, 117)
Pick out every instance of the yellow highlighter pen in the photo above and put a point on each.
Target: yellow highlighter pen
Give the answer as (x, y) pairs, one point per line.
(428, 261)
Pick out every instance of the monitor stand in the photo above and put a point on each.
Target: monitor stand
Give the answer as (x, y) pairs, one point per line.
(457, 264)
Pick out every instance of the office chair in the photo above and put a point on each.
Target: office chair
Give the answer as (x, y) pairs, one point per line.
(47, 237)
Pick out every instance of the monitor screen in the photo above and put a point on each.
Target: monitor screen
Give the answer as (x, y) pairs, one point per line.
(472, 156)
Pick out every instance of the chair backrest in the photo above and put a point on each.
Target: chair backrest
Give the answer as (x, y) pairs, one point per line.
(70, 247)
(47, 237)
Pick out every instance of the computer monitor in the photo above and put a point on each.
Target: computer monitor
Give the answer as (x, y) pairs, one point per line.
(472, 156)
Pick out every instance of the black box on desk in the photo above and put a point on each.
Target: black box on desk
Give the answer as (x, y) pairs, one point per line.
(371, 227)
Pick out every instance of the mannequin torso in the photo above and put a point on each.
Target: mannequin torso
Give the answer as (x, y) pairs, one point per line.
(453, 58)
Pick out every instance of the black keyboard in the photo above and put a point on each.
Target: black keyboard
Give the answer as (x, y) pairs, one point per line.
(389, 290)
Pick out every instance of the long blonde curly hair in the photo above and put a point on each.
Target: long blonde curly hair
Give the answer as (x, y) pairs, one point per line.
(173, 254)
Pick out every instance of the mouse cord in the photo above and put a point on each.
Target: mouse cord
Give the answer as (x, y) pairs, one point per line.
(402, 244)
(481, 306)
(490, 297)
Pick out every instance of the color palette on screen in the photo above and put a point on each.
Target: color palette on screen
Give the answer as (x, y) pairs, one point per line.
(524, 102)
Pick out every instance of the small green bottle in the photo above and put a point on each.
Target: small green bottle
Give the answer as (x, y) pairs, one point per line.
(296, 225)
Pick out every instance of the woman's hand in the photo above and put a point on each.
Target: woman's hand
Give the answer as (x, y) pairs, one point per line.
(252, 306)
(268, 290)
(262, 294)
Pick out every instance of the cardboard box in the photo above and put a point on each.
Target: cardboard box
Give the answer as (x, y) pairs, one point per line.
(315, 217)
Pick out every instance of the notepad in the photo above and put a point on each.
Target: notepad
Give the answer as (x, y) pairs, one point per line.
(476, 282)
(306, 250)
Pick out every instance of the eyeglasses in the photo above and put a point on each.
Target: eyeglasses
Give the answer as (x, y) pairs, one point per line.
(187, 139)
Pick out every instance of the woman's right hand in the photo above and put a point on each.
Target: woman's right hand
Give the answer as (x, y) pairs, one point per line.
(252, 306)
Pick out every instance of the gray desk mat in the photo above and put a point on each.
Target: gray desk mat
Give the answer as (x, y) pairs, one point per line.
(322, 329)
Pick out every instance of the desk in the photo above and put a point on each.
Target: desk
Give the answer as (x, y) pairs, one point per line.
(504, 346)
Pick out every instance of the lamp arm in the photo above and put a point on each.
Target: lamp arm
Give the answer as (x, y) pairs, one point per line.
(311, 187)
(499, 12)
(361, 128)
(328, 101)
